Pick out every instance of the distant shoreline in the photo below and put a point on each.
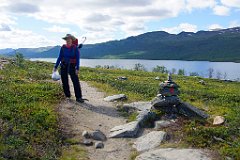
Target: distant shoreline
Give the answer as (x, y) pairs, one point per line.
(144, 59)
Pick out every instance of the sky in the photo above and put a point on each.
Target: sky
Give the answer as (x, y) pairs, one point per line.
(40, 23)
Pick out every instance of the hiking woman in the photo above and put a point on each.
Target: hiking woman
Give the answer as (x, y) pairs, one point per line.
(69, 57)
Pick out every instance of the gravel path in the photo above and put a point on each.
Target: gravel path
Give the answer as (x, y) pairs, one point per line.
(92, 115)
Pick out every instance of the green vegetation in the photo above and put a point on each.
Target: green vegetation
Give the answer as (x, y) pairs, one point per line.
(215, 97)
(29, 121)
(161, 69)
(74, 152)
(28, 117)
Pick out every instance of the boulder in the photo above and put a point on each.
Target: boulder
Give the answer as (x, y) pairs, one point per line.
(126, 130)
(99, 145)
(98, 135)
(202, 82)
(115, 97)
(150, 141)
(174, 154)
(218, 120)
(122, 78)
(162, 124)
(85, 134)
(87, 142)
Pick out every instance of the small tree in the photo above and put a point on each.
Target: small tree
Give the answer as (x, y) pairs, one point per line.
(19, 59)
(225, 75)
(139, 67)
(98, 66)
(181, 72)
(161, 69)
(194, 74)
(219, 75)
(210, 72)
(173, 70)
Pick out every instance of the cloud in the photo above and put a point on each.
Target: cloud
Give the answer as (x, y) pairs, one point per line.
(186, 27)
(23, 38)
(96, 18)
(56, 28)
(118, 3)
(6, 19)
(234, 23)
(4, 27)
(199, 4)
(231, 3)
(221, 10)
(215, 27)
(108, 17)
(18, 7)
(133, 29)
(150, 13)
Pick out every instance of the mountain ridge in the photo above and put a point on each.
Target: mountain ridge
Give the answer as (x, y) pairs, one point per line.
(216, 45)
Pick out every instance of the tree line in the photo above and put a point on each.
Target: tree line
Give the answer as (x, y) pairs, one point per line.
(211, 73)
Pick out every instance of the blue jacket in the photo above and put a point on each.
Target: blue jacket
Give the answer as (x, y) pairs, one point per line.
(67, 53)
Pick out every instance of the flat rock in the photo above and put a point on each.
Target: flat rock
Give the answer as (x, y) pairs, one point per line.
(162, 124)
(174, 154)
(150, 141)
(126, 130)
(99, 144)
(98, 135)
(115, 97)
(218, 120)
(191, 111)
(141, 106)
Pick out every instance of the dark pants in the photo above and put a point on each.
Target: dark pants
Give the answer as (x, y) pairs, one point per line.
(70, 69)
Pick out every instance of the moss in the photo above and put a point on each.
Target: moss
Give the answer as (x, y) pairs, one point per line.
(29, 122)
(74, 152)
(134, 155)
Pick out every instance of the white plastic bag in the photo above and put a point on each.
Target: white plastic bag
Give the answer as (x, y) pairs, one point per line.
(56, 76)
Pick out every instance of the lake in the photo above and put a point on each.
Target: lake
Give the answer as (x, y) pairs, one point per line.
(228, 70)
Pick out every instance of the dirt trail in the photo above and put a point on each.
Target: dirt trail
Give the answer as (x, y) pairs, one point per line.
(92, 115)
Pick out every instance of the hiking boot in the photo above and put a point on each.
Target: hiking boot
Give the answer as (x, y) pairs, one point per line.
(68, 99)
(80, 100)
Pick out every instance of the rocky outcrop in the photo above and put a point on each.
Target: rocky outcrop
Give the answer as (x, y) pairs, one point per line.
(126, 130)
(115, 98)
(174, 154)
(150, 141)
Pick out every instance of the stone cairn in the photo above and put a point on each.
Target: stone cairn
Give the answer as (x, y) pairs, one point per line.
(166, 101)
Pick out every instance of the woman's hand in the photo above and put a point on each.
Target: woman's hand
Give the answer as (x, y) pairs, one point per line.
(76, 72)
(54, 69)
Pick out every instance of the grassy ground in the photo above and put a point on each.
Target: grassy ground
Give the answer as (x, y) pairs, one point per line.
(29, 122)
(216, 98)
